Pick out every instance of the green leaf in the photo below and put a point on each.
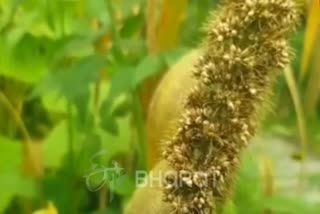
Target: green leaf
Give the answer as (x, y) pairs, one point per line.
(125, 186)
(14, 35)
(59, 190)
(88, 154)
(15, 185)
(111, 110)
(230, 208)
(12, 183)
(134, 49)
(24, 62)
(54, 103)
(123, 108)
(76, 48)
(71, 81)
(172, 57)
(148, 67)
(55, 146)
(98, 9)
(249, 190)
(77, 78)
(109, 210)
(11, 155)
(42, 29)
(126, 6)
(116, 144)
(289, 204)
(132, 25)
(121, 82)
(109, 124)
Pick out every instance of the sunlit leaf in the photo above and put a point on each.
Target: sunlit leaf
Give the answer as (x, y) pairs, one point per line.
(25, 22)
(42, 29)
(54, 103)
(25, 62)
(55, 146)
(50, 209)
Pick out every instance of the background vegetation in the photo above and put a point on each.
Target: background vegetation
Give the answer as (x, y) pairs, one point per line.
(76, 77)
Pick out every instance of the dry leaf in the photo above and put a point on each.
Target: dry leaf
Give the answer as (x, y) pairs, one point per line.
(32, 160)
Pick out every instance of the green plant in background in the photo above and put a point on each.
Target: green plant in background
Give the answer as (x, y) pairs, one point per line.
(76, 77)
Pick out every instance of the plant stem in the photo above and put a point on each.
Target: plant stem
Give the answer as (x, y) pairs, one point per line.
(151, 25)
(16, 117)
(138, 117)
(103, 198)
(70, 139)
(115, 33)
(71, 157)
(22, 128)
(25, 134)
(302, 126)
(103, 191)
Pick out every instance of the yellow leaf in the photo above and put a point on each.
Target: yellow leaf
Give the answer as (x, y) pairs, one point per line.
(313, 86)
(151, 25)
(310, 35)
(296, 98)
(163, 32)
(50, 209)
(103, 43)
(32, 160)
(172, 16)
(167, 103)
(80, 8)
(268, 176)
(162, 35)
